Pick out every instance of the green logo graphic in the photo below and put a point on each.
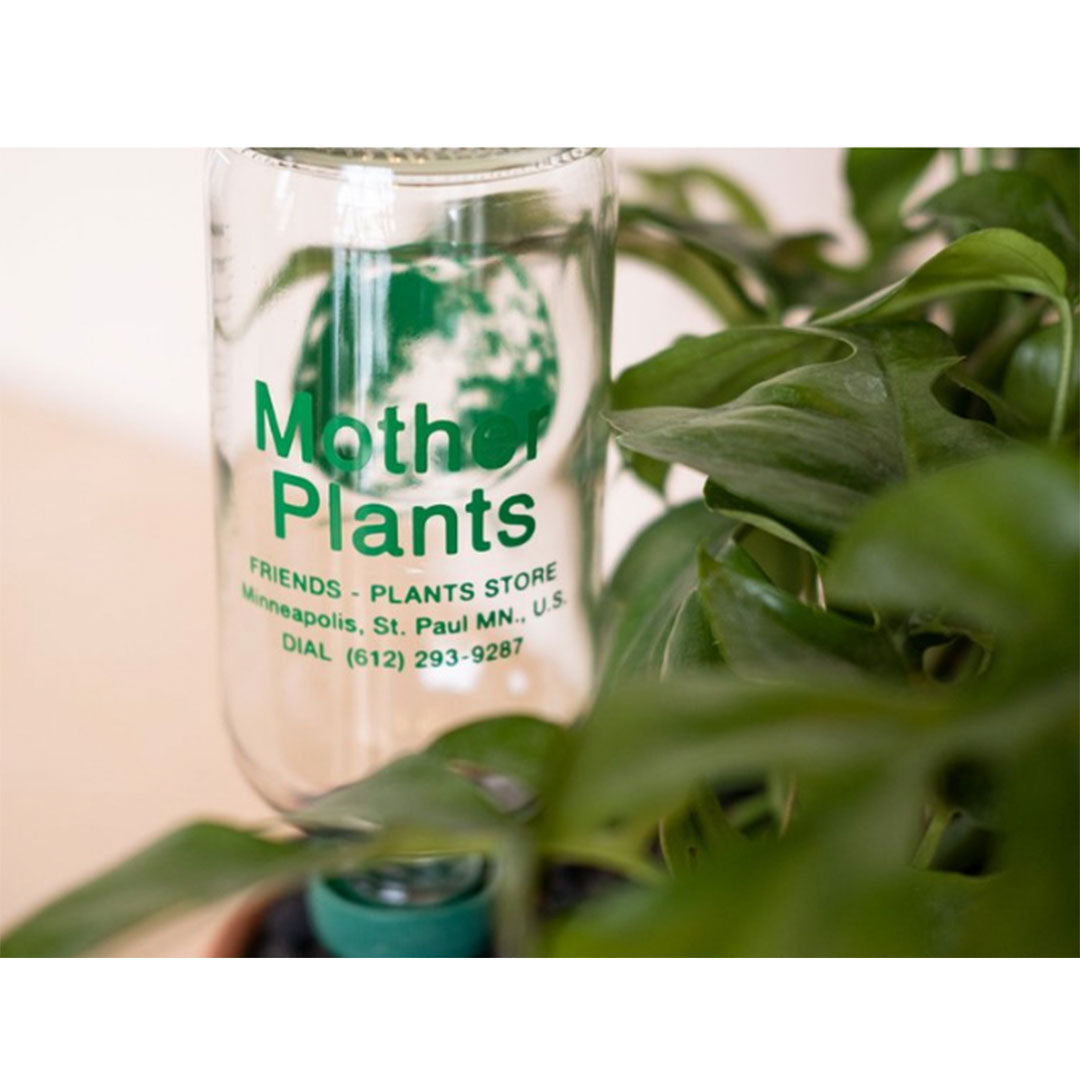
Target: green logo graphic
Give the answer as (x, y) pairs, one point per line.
(469, 337)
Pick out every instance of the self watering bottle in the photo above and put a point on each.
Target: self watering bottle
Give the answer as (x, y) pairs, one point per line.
(410, 361)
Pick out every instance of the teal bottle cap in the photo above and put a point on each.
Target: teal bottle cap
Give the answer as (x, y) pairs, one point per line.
(348, 925)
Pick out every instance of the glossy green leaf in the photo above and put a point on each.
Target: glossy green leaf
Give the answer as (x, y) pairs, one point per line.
(707, 371)
(1030, 384)
(764, 632)
(746, 513)
(994, 543)
(1008, 199)
(690, 643)
(879, 180)
(808, 447)
(988, 259)
(648, 588)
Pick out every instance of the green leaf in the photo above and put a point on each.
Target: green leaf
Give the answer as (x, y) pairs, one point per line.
(713, 283)
(1006, 417)
(837, 884)
(1008, 199)
(415, 792)
(1059, 166)
(988, 259)
(696, 833)
(994, 544)
(789, 269)
(648, 588)
(652, 473)
(1030, 908)
(1030, 385)
(705, 371)
(690, 643)
(422, 803)
(745, 513)
(515, 747)
(675, 187)
(808, 447)
(779, 901)
(195, 865)
(974, 316)
(765, 633)
(879, 181)
(785, 560)
(646, 745)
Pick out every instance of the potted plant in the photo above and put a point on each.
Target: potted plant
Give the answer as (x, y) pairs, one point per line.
(838, 700)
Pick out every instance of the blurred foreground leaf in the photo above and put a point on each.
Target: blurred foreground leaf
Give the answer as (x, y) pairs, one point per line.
(994, 543)
(195, 865)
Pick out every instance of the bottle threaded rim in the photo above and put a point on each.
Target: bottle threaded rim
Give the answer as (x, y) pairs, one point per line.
(420, 165)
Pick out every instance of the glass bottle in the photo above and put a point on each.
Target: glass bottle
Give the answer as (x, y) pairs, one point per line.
(410, 360)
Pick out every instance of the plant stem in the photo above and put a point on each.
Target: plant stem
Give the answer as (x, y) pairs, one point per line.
(935, 829)
(633, 867)
(1064, 383)
(515, 898)
(957, 154)
(997, 346)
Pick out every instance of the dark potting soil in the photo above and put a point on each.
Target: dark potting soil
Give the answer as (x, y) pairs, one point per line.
(284, 929)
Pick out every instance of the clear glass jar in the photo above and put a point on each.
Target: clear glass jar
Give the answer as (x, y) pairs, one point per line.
(410, 360)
